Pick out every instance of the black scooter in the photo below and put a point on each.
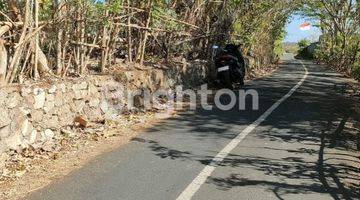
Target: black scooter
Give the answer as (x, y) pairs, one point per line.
(230, 66)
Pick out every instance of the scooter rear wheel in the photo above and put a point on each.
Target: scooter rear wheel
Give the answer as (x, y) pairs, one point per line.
(226, 80)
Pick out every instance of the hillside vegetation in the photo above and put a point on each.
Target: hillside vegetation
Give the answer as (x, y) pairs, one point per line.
(71, 37)
(340, 23)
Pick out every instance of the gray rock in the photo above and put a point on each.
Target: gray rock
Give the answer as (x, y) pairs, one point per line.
(50, 97)
(3, 97)
(37, 116)
(40, 138)
(80, 90)
(80, 94)
(2, 147)
(49, 108)
(94, 102)
(77, 106)
(104, 106)
(93, 90)
(66, 115)
(17, 121)
(83, 85)
(52, 89)
(33, 137)
(111, 87)
(5, 132)
(3, 158)
(80, 86)
(14, 141)
(52, 122)
(63, 110)
(67, 120)
(68, 132)
(29, 101)
(97, 82)
(13, 100)
(112, 115)
(39, 98)
(4, 117)
(59, 99)
(25, 111)
(49, 134)
(25, 91)
(93, 114)
(50, 103)
(26, 128)
(68, 97)
(62, 87)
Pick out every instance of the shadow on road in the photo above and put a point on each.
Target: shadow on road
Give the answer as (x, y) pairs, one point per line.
(316, 116)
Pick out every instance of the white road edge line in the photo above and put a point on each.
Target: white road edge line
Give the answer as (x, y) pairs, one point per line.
(195, 185)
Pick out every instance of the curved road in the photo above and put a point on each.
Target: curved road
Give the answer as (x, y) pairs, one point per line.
(277, 158)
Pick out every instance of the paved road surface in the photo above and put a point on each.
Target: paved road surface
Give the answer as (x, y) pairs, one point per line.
(279, 159)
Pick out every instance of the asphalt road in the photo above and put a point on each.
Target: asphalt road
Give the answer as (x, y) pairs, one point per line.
(278, 159)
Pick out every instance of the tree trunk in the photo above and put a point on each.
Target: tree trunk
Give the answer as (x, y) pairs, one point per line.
(59, 63)
(3, 62)
(104, 47)
(4, 29)
(13, 66)
(129, 32)
(82, 40)
(36, 40)
(77, 36)
(146, 34)
(43, 65)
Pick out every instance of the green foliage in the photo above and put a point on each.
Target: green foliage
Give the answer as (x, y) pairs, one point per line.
(168, 24)
(340, 43)
(259, 26)
(304, 51)
(2, 5)
(303, 44)
(356, 70)
(278, 45)
(46, 11)
(116, 6)
(188, 28)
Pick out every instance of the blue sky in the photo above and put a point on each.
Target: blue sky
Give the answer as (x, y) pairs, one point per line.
(294, 34)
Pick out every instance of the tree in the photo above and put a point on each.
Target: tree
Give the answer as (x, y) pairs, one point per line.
(339, 22)
(303, 44)
(72, 35)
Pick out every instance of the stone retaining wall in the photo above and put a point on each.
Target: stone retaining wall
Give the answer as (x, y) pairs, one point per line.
(34, 115)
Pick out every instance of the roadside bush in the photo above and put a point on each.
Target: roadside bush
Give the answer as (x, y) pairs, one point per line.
(356, 71)
(303, 52)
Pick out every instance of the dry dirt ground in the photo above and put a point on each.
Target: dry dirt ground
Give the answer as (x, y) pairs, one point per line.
(34, 170)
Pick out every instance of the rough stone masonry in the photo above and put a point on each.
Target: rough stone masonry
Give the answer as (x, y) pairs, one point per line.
(34, 115)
